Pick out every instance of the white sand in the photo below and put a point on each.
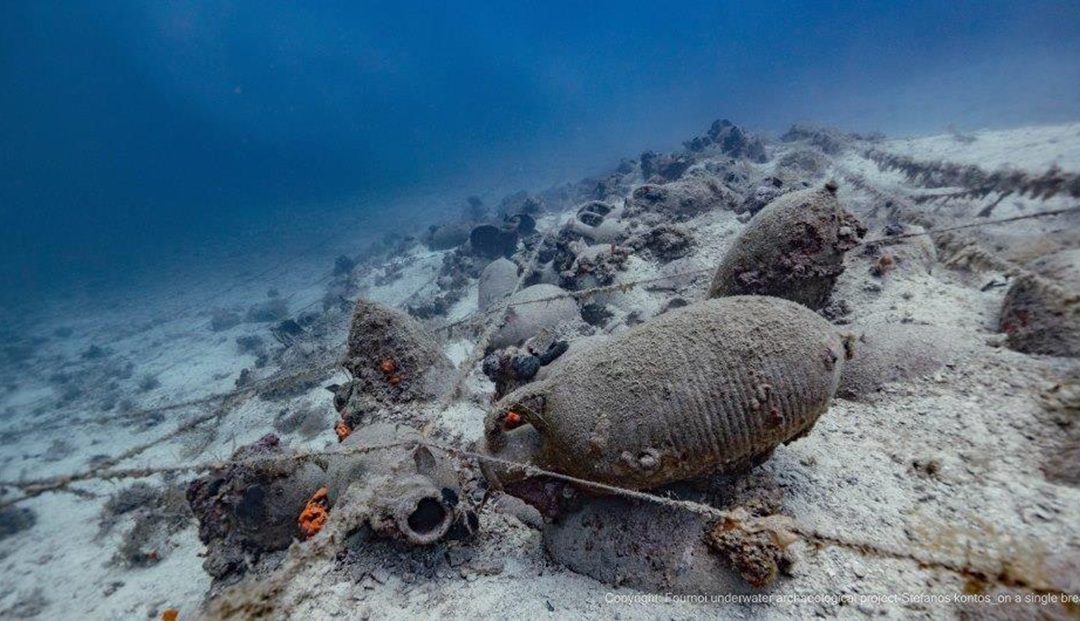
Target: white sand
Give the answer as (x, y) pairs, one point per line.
(1028, 148)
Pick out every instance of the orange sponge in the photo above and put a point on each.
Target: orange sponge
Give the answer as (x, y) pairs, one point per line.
(314, 515)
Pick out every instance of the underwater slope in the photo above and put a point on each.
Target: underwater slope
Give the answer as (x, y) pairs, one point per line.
(944, 469)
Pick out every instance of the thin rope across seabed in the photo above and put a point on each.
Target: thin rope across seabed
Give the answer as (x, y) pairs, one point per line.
(962, 568)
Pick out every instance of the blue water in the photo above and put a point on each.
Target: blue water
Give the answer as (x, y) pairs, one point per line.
(138, 137)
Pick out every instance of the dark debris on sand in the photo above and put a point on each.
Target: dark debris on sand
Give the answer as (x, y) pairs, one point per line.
(155, 513)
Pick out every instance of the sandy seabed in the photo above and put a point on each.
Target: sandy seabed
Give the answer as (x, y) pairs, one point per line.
(959, 465)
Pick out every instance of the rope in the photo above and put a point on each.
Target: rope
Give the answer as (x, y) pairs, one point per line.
(36, 487)
(976, 225)
(978, 181)
(531, 470)
(712, 513)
